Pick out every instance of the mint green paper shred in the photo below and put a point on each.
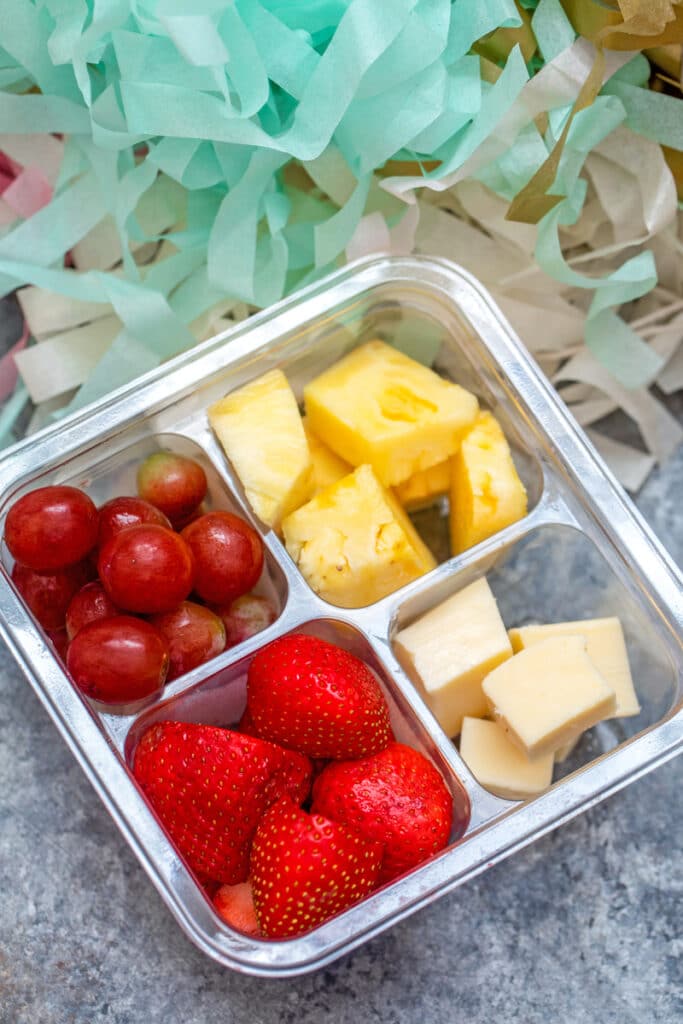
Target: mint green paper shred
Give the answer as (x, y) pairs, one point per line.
(654, 115)
(184, 123)
(552, 28)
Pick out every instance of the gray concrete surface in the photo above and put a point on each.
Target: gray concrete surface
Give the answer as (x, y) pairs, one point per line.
(583, 926)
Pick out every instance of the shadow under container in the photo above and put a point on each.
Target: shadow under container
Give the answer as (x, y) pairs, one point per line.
(582, 551)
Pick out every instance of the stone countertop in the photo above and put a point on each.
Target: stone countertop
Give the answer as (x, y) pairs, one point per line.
(582, 926)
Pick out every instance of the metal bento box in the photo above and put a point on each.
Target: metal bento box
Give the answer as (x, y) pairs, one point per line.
(582, 550)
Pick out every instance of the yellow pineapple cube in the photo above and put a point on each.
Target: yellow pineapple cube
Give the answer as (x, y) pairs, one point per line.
(486, 492)
(423, 487)
(327, 467)
(353, 542)
(260, 429)
(378, 407)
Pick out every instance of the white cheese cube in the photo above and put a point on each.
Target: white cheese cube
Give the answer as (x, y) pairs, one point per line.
(450, 650)
(565, 750)
(498, 765)
(605, 646)
(548, 694)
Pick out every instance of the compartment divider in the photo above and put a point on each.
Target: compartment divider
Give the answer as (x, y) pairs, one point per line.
(485, 806)
(294, 614)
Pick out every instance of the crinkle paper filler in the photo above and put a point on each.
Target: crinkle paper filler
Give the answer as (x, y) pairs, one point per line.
(166, 167)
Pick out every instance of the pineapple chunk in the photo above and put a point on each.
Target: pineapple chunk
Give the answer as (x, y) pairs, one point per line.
(379, 407)
(353, 542)
(260, 429)
(423, 487)
(327, 467)
(486, 492)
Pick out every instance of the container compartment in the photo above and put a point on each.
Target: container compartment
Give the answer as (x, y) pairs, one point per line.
(114, 475)
(220, 700)
(555, 573)
(416, 324)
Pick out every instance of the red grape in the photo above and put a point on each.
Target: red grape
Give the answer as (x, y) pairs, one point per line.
(48, 594)
(51, 528)
(120, 513)
(146, 569)
(172, 483)
(246, 616)
(200, 510)
(118, 660)
(228, 556)
(90, 603)
(193, 635)
(59, 641)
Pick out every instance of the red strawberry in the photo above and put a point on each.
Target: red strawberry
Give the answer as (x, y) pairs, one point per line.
(305, 869)
(210, 788)
(318, 765)
(396, 797)
(314, 697)
(235, 904)
(246, 724)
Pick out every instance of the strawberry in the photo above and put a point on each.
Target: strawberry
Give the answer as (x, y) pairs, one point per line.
(210, 787)
(246, 724)
(396, 797)
(314, 697)
(235, 904)
(305, 869)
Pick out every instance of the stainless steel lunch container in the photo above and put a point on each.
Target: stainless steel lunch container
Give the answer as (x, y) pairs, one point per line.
(582, 551)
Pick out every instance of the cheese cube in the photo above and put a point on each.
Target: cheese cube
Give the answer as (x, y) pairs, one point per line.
(423, 487)
(498, 765)
(548, 694)
(605, 646)
(354, 543)
(259, 428)
(327, 467)
(450, 650)
(486, 492)
(565, 750)
(381, 408)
